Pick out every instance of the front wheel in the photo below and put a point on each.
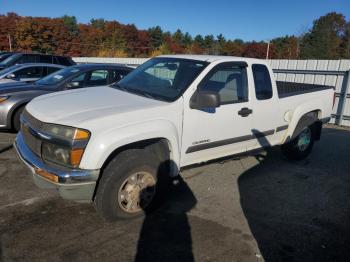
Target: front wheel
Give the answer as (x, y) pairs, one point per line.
(131, 184)
(301, 146)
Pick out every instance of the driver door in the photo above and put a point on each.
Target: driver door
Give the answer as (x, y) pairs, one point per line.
(211, 133)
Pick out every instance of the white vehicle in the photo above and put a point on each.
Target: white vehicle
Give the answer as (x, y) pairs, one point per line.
(27, 72)
(118, 146)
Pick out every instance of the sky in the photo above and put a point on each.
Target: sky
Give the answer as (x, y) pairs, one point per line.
(258, 20)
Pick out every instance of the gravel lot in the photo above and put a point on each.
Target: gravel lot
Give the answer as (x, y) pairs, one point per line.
(253, 209)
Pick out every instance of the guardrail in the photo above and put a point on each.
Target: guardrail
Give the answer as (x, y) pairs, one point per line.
(334, 73)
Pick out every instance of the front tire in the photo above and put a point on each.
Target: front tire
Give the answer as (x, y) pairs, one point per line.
(131, 184)
(301, 146)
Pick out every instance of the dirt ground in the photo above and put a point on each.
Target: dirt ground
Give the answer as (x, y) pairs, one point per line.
(252, 209)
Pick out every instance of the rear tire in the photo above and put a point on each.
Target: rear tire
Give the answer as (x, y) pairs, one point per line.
(301, 146)
(16, 122)
(132, 184)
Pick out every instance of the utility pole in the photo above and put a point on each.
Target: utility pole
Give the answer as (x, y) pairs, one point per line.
(268, 50)
(10, 43)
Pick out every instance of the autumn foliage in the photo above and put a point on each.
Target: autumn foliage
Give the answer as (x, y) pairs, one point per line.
(328, 38)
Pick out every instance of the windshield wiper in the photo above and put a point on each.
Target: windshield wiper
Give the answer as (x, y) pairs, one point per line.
(143, 93)
(119, 87)
(134, 91)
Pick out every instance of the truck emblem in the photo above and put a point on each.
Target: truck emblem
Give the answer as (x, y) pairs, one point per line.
(201, 142)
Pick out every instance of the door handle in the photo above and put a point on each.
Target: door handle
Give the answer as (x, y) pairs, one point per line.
(245, 111)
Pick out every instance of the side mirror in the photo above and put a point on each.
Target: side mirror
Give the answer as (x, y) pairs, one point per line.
(72, 85)
(11, 76)
(205, 99)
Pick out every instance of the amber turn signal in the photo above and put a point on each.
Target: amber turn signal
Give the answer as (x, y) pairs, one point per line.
(3, 98)
(75, 156)
(46, 175)
(81, 134)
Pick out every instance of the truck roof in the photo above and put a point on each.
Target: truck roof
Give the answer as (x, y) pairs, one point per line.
(213, 58)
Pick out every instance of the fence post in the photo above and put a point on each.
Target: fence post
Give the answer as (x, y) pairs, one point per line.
(344, 97)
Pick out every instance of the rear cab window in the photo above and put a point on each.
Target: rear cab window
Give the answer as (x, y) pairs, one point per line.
(262, 82)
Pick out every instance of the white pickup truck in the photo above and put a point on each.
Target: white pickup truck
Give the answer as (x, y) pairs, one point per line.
(118, 146)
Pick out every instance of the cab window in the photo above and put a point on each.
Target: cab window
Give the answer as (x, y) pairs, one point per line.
(262, 81)
(230, 81)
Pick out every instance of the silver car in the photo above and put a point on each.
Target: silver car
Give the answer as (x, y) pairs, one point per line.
(15, 96)
(27, 72)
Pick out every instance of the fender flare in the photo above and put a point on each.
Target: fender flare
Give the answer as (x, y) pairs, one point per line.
(304, 115)
(100, 148)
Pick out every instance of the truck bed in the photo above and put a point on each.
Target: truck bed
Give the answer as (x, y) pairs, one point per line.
(286, 89)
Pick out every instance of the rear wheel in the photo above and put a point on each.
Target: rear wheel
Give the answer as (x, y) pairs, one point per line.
(301, 146)
(132, 183)
(16, 122)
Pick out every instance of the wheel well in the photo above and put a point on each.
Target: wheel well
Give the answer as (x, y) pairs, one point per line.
(158, 146)
(311, 118)
(14, 111)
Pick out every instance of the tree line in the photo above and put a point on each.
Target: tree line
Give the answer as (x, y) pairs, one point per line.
(328, 38)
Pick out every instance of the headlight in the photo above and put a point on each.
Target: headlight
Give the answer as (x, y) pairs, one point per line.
(71, 149)
(61, 155)
(3, 98)
(65, 132)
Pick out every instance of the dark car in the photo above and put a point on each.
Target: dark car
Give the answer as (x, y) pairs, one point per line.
(14, 96)
(24, 58)
(4, 55)
(27, 72)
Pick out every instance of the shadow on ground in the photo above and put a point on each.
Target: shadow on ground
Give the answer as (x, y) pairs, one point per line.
(300, 211)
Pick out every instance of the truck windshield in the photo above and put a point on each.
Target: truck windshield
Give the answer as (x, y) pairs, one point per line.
(162, 78)
(58, 76)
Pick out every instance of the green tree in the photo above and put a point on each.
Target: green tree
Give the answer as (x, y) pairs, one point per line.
(284, 47)
(345, 45)
(187, 39)
(155, 37)
(71, 24)
(178, 38)
(221, 42)
(324, 40)
(199, 41)
(98, 23)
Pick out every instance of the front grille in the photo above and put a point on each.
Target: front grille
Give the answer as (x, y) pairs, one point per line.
(32, 142)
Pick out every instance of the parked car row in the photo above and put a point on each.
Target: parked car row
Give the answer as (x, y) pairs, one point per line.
(8, 59)
(20, 83)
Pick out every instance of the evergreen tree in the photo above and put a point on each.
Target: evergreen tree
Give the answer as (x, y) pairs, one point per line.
(324, 40)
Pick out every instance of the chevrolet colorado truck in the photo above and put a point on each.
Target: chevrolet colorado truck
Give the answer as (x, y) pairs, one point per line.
(118, 146)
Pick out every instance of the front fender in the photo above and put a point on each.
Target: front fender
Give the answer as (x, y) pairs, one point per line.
(102, 145)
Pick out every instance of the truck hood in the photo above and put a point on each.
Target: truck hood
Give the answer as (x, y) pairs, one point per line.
(77, 107)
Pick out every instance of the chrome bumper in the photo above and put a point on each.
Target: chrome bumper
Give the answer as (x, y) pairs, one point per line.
(73, 184)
